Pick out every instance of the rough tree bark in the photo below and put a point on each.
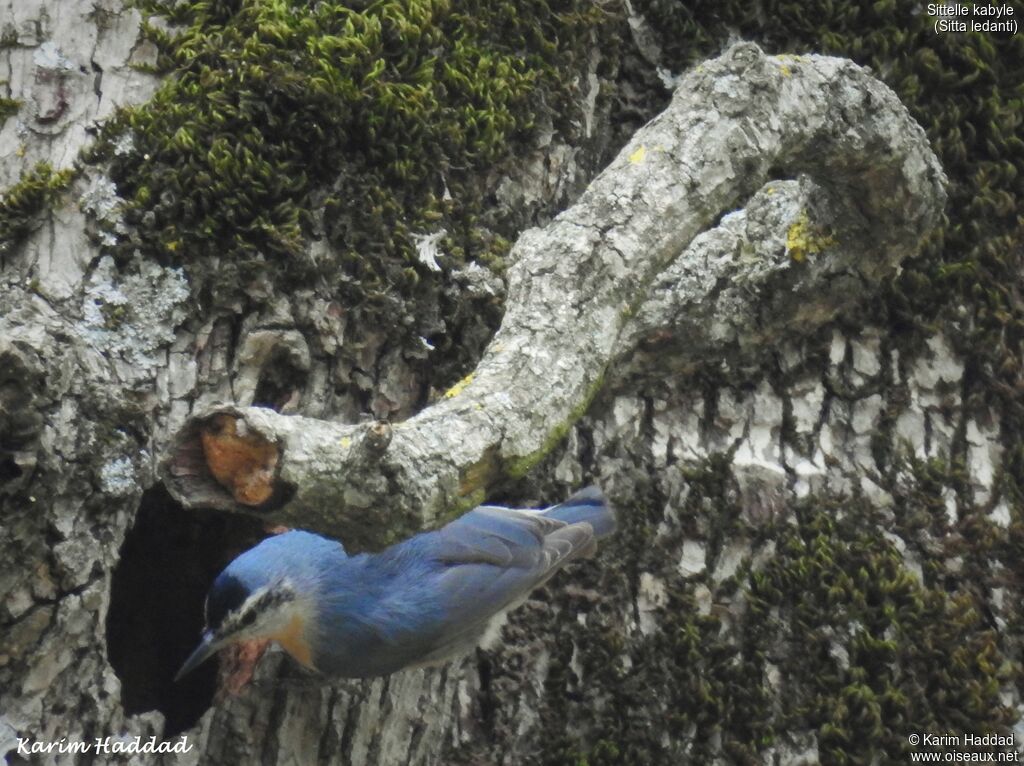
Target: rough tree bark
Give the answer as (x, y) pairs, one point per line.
(650, 276)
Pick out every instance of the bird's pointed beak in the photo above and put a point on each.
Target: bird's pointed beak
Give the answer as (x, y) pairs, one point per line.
(201, 654)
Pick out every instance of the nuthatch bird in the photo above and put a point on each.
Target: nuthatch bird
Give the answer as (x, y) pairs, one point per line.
(419, 602)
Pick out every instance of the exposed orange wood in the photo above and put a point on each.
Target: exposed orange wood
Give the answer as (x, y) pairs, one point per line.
(243, 462)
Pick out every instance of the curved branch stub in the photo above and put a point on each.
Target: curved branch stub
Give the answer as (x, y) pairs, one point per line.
(794, 258)
(584, 290)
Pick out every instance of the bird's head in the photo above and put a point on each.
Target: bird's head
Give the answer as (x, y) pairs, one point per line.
(268, 592)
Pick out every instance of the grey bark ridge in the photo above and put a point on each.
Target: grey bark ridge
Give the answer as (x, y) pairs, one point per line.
(638, 255)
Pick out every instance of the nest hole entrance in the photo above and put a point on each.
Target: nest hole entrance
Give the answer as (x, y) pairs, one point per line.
(167, 563)
(281, 382)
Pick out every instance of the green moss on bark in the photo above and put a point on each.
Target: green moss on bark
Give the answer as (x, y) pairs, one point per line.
(824, 641)
(21, 203)
(8, 108)
(367, 123)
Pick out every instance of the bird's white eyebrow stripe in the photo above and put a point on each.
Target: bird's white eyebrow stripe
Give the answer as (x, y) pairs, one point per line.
(258, 601)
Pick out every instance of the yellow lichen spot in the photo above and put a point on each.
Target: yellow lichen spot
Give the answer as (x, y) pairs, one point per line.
(638, 156)
(346, 442)
(802, 239)
(457, 388)
(20, 152)
(770, 191)
(784, 67)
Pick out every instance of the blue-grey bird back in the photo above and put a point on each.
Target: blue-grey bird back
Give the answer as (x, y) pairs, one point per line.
(433, 596)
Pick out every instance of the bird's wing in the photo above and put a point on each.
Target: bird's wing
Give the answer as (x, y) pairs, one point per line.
(444, 586)
(508, 538)
(492, 557)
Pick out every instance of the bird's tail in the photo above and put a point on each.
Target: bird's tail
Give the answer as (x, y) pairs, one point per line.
(586, 505)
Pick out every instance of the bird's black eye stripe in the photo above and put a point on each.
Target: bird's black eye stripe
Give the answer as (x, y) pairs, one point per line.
(274, 597)
(261, 605)
(247, 618)
(228, 608)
